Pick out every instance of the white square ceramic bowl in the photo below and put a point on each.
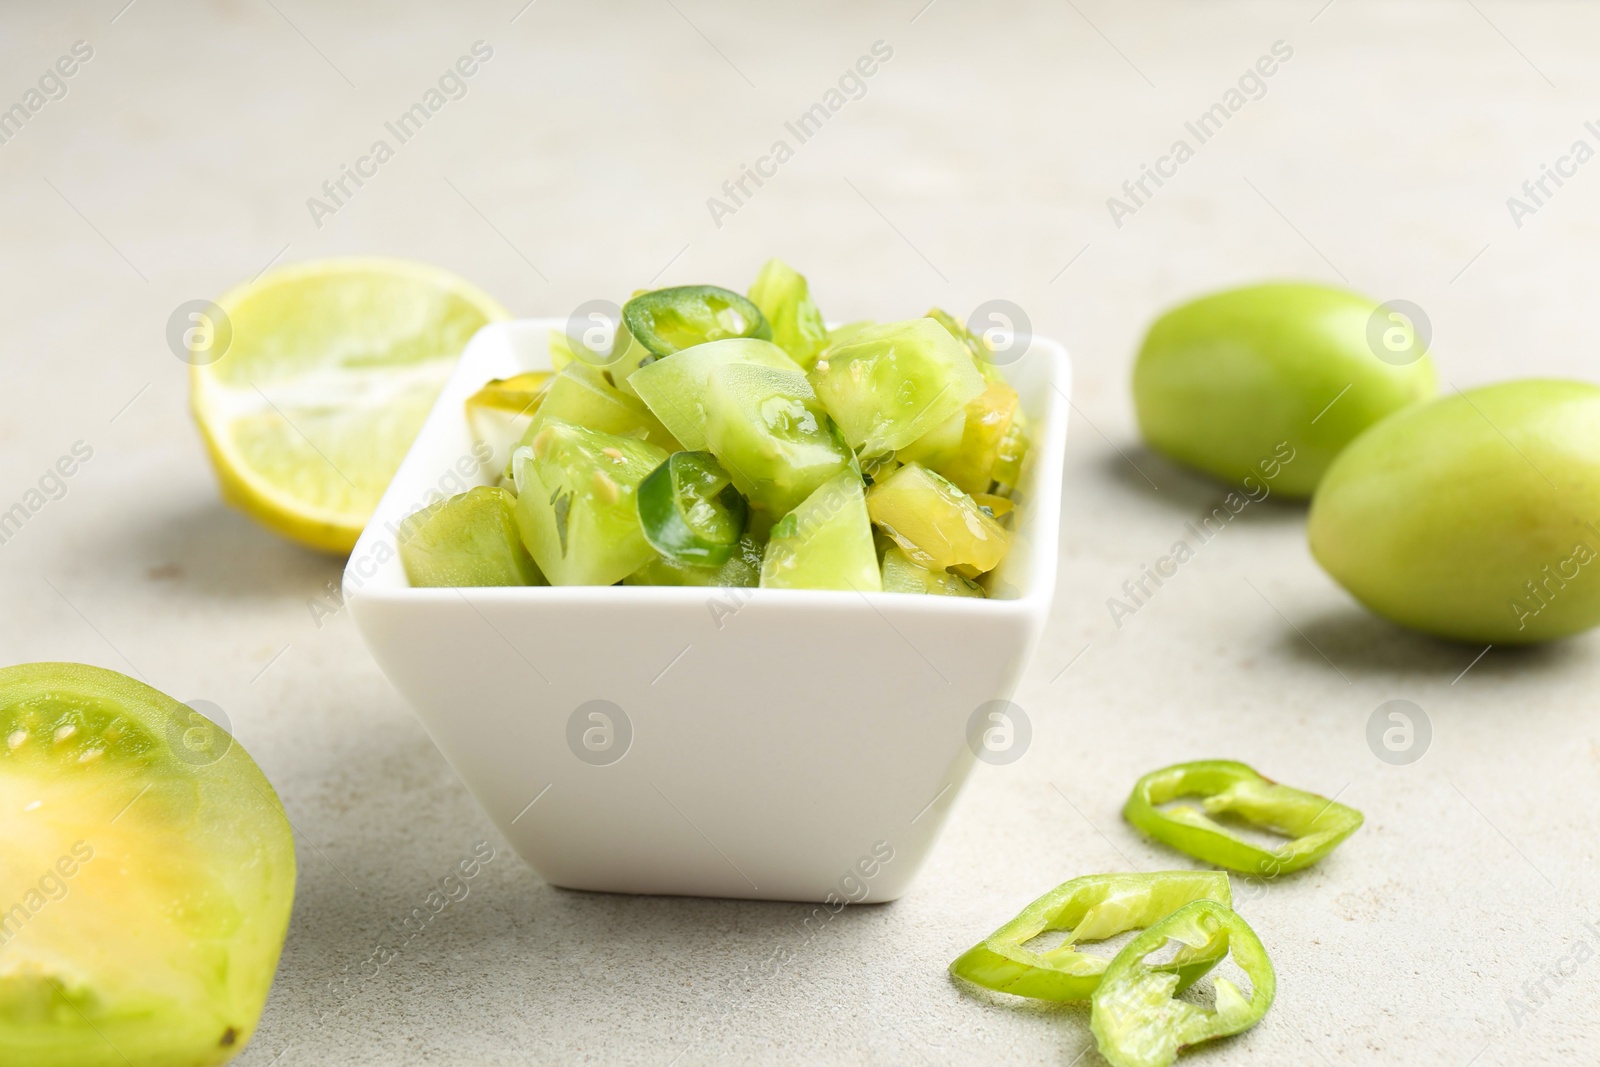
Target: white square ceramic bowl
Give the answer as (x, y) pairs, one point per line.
(765, 743)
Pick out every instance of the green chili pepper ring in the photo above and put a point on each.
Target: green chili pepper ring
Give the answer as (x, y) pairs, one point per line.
(689, 511)
(1316, 824)
(1092, 908)
(669, 320)
(1136, 1022)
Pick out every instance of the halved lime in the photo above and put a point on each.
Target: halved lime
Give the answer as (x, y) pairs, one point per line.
(332, 367)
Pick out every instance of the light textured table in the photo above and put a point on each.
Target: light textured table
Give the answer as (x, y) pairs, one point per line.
(977, 164)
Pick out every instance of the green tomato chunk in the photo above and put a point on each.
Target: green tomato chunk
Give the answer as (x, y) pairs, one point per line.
(888, 385)
(939, 446)
(1475, 517)
(903, 575)
(771, 435)
(148, 873)
(742, 569)
(576, 504)
(675, 389)
(784, 297)
(826, 542)
(1222, 382)
(937, 525)
(470, 539)
(502, 410)
(587, 396)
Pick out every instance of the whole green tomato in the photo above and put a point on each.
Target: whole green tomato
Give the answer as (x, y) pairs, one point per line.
(1223, 382)
(1475, 517)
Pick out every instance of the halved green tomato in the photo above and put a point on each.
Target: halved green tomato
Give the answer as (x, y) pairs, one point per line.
(784, 297)
(469, 539)
(889, 384)
(669, 320)
(937, 525)
(902, 575)
(147, 873)
(690, 511)
(771, 435)
(826, 542)
(675, 389)
(575, 502)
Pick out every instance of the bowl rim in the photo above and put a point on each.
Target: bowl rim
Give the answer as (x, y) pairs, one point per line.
(1048, 451)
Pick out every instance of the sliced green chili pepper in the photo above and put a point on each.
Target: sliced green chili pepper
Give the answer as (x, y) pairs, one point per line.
(1092, 908)
(669, 320)
(1136, 1022)
(1316, 824)
(689, 510)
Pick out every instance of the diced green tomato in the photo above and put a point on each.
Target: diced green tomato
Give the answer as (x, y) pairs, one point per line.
(618, 354)
(759, 525)
(675, 388)
(743, 568)
(958, 329)
(1000, 508)
(585, 396)
(981, 351)
(669, 320)
(175, 865)
(826, 542)
(937, 525)
(988, 419)
(466, 540)
(690, 511)
(575, 502)
(940, 446)
(1096, 907)
(784, 298)
(875, 469)
(890, 384)
(628, 356)
(560, 351)
(901, 575)
(841, 334)
(1008, 459)
(771, 435)
(500, 413)
(881, 544)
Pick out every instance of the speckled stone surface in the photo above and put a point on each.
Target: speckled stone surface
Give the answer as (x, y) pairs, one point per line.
(977, 164)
